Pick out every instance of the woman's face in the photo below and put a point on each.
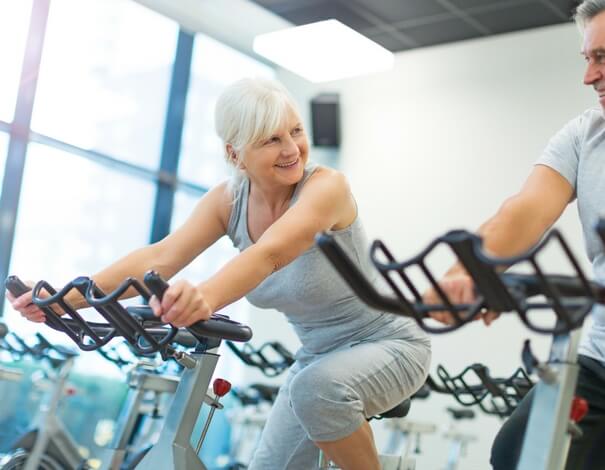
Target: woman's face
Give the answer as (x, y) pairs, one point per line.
(282, 157)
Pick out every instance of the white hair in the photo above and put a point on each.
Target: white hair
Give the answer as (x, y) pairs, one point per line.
(587, 10)
(249, 111)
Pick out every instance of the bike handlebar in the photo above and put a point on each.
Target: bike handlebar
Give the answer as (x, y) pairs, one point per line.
(145, 332)
(571, 297)
(271, 358)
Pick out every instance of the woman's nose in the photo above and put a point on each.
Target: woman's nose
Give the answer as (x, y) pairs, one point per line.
(290, 147)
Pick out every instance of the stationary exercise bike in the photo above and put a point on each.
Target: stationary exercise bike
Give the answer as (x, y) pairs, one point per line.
(255, 400)
(47, 445)
(194, 347)
(570, 298)
(7, 373)
(150, 386)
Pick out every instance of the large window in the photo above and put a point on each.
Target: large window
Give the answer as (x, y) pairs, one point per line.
(212, 259)
(3, 152)
(76, 217)
(214, 66)
(14, 24)
(104, 78)
(89, 184)
(205, 266)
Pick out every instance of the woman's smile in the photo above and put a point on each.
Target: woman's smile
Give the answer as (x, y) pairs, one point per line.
(288, 165)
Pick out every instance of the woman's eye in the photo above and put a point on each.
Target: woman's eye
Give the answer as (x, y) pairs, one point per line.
(296, 130)
(272, 140)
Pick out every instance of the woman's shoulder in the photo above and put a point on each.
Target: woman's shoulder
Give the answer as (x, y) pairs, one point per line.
(328, 178)
(329, 189)
(221, 197)
(221, 193)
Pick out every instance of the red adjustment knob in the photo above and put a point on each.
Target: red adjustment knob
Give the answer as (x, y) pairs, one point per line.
(579, 408)
(70, 391)
(221, 387)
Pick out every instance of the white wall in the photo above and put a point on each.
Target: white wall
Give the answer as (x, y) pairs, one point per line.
(438, 143)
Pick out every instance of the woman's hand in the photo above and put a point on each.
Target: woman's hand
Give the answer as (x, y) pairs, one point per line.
(182, 305)
(23, 304)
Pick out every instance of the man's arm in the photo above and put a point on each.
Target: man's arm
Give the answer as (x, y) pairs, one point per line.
(325, 202)
(524, 218)
(519, 223)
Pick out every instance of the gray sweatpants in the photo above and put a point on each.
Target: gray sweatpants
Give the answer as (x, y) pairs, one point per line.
(326, 397)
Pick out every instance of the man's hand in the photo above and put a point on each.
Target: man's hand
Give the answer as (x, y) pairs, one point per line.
(459, 288)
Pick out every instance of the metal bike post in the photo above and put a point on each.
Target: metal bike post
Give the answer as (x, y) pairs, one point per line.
(140, 383)
(547, 438)
(174, 451)
(50, 430)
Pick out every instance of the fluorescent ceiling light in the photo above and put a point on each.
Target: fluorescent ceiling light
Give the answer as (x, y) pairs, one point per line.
(323, 51)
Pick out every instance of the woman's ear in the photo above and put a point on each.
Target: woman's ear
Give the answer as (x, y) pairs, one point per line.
(232, 156)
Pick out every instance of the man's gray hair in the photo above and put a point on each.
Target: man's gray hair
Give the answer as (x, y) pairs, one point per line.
(587, 10)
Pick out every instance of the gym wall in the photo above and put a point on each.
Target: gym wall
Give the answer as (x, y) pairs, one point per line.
(438, 143)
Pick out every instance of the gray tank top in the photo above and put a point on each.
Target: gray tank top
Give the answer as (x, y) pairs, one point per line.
(319, 305)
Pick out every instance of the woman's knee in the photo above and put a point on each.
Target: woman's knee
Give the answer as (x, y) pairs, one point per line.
(315, 396)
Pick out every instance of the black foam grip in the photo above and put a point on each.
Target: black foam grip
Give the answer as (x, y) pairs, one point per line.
(16, 286)
(155, 284)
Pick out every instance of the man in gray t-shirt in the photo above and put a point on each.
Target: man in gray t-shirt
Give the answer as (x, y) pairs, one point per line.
(572, 166)
(577, 153)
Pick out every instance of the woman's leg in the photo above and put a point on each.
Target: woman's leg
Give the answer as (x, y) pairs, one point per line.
(354, 452)
(284, 444)
(334, 394)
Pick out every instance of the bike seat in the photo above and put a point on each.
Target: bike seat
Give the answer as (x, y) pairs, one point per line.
(398, 411)
(458, 413)
(266, 392)
(423, 392)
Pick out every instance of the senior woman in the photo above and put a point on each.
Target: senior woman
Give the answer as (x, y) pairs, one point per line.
(354, 362)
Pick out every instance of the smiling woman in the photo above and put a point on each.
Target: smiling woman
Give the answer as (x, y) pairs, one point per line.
(354, 362)
(277, 201)
(259, 122)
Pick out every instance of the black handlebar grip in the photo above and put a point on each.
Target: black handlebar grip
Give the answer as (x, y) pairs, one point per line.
(16, 286)
(3, 330)
(155, 284)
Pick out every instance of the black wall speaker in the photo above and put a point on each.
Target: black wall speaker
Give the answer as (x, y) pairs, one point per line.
(325, 120)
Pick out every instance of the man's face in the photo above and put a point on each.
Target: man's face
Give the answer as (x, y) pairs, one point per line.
(593, 50)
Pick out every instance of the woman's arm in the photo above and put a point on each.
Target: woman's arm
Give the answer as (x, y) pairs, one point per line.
(325, 202)
(205, 225)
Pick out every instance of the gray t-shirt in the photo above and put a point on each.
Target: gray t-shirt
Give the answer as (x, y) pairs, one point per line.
(317, 302)
(577, 152)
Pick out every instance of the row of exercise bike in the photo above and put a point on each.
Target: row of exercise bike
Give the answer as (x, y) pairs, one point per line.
(566, 299)
(152, 384)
